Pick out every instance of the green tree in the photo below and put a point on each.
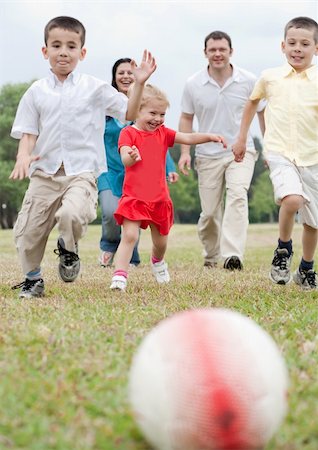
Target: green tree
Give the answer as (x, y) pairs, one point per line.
(262, 207)
(11, 193)
(10, 95)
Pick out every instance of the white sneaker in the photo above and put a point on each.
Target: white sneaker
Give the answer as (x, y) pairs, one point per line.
(119, 283)
(106, 259)
(160, 271)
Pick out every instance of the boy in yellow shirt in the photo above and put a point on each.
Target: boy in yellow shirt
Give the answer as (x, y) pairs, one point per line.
(291, 146)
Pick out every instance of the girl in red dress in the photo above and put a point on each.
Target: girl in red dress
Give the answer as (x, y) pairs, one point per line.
(146, 199)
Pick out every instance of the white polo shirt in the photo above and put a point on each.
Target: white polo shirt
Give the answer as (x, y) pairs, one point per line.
(219, 109)
(69, 120)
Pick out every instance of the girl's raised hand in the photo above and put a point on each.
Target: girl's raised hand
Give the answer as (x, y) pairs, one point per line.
(145, 69)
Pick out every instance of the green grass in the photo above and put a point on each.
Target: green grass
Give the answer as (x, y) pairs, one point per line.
(64, 359)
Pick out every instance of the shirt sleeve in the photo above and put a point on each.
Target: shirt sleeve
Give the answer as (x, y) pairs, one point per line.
(186, 101)
(27, 117)
(259, 91)
(170, 136)
(125, 138)
(115, 103)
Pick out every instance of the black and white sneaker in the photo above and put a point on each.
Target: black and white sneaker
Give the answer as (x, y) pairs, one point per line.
(233, 263)
(306, 279)
(30, 288)
(69, 265)
(280, 269)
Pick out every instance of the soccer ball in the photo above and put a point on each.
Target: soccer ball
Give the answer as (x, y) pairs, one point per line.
(208, 379)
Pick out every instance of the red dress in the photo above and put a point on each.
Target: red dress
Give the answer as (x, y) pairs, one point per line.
(146, 195)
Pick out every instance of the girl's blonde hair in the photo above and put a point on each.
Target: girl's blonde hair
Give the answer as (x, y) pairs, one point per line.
(151, 92)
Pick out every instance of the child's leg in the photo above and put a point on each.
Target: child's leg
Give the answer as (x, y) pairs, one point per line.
(159, 243)
(280, 268)
(159, 247)
(309, 241)
(78, 208)
(305, 275)
(289, 206)
(129, 237)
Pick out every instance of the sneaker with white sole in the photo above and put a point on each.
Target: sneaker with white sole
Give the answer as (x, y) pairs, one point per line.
(160, 271)
(69, 265)
(306, 279)
(30, 288)
(280, 269)
(119, 283)
(106, 259)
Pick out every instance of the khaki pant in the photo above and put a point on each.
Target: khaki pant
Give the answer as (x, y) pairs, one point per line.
(68, 201)
(222, 227)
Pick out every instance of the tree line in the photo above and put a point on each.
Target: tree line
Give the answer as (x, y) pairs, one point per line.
(184, 193)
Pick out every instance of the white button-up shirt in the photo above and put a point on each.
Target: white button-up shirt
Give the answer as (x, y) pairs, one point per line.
(218, 109)
(69, 120)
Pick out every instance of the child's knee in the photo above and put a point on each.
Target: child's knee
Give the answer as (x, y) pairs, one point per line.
(293, 202)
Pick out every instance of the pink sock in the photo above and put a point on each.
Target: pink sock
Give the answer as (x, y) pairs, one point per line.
(121, 272)
(155, 260)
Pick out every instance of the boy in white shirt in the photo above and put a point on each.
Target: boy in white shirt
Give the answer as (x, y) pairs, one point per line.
(291, 146)
(60, 124)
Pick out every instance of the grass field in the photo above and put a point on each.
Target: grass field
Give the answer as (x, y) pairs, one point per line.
(64, 359)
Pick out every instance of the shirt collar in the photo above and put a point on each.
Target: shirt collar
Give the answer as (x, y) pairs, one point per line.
(311, 72)
(207, 79)
(73, 77)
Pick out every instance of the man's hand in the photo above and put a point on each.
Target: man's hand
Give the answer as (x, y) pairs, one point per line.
(184, 163)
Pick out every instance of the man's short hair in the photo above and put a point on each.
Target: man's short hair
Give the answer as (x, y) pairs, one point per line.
(303, 22)
(66, 23)
(218, 35)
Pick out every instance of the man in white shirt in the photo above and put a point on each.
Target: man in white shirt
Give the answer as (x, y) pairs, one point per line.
(60, 123)
(216, 97)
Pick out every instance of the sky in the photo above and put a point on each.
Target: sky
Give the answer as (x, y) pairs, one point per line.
(173, 31)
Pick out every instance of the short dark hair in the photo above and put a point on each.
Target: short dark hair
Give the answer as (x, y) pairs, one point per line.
(303, 22)
(66, 23)
(218, 35)
(115, 67)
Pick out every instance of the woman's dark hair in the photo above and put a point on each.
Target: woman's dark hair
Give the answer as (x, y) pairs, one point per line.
(114, 70)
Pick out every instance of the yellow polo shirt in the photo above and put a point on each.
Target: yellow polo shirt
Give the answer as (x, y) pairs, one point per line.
(291, 114)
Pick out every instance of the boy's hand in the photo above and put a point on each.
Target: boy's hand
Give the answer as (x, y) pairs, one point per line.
(239, 150)
(134, 153)
(146, 68)
(218, 138)
(21, 168)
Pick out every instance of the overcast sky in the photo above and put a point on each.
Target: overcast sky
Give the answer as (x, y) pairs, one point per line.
(173, 31)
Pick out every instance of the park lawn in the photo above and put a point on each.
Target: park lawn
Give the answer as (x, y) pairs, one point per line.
(64, 359)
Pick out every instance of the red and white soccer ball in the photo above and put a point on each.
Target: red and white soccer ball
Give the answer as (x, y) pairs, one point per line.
(208, 379)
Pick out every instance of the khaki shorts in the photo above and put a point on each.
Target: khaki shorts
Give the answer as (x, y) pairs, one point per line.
(289, 179)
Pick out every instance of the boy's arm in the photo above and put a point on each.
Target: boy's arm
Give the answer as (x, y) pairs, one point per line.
(24, 157)
(141, 75)
(185, 126)
(239, 148)
(198, 138)
(129, 155)
(261, 121)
